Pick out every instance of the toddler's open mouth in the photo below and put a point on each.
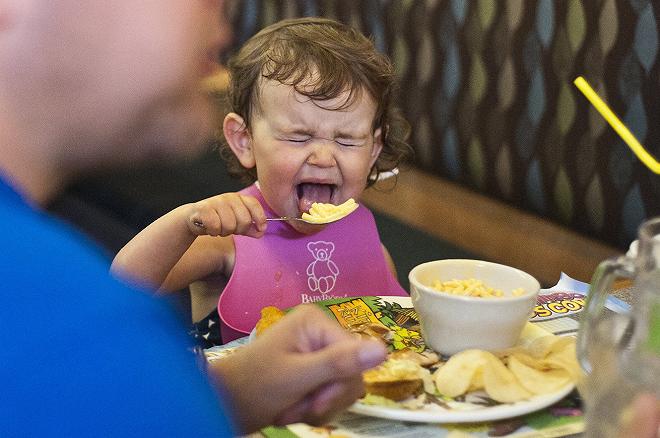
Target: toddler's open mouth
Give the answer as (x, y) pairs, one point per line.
(308, 193)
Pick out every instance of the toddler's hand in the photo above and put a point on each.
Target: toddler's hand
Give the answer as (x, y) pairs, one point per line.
(227, 214)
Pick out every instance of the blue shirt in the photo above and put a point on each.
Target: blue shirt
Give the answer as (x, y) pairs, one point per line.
(81, 354)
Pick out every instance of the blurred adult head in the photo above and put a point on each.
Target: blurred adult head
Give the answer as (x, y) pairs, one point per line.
(85, 83)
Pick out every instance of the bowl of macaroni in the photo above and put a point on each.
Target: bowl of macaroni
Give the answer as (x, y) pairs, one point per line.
(464, 304)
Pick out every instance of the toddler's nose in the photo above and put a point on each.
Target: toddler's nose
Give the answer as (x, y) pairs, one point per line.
(323, 153)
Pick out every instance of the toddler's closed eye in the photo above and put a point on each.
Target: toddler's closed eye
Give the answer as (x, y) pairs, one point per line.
(348, 143)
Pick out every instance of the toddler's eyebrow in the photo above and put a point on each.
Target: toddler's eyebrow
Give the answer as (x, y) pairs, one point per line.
(300, 130)
(352, 136)
(341, 134)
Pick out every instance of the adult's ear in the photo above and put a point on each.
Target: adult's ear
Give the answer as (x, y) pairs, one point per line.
(239, 139)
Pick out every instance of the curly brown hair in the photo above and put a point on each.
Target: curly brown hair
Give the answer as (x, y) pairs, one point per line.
(321, 59)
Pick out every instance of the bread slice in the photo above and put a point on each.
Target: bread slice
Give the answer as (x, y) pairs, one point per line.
(395, 379)
(395, 390)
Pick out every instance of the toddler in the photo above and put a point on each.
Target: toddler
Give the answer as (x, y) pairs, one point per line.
(311, 121)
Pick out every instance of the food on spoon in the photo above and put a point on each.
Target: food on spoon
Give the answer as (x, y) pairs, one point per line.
(471, 287)
(321, 213)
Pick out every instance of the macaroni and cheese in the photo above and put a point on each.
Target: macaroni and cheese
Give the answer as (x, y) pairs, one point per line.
(472, 288)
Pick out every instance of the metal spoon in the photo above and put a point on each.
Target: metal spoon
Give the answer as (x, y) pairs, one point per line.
(282, 218)
(288, 218)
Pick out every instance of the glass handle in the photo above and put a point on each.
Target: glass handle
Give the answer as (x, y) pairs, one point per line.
(601, 284)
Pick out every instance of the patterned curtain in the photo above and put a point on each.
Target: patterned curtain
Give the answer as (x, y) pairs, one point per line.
(487, 88)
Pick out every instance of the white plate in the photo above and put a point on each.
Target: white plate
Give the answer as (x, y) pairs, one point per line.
(430, 413)
(462, 412)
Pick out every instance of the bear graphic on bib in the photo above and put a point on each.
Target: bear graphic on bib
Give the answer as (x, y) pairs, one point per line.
(322, 272)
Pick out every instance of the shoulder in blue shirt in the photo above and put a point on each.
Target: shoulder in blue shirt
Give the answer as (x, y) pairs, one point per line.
(82, 354)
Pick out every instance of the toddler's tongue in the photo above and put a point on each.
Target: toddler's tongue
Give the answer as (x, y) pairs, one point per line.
(311, 193)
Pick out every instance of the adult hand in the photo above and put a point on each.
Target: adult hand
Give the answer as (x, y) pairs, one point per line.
(305, 368)
(226, 214)
(644, 421)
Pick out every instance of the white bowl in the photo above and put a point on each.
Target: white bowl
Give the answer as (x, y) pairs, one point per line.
(453, 323)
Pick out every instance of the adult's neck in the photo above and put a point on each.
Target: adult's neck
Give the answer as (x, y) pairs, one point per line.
(32, 165)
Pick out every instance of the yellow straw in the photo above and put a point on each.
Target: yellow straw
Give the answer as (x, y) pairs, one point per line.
(617, 124)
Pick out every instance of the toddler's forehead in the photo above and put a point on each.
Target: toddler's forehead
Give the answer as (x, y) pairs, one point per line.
(304, 91)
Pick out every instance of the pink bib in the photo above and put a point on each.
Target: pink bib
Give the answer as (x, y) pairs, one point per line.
(285, 268)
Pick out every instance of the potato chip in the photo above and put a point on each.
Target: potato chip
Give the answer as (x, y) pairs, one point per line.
(566, 359)
(527, 360)
(536, 381)
(500, 383)
(542, 346)
(455, 377)
(547, 365)
(477, 380)
(530, 333)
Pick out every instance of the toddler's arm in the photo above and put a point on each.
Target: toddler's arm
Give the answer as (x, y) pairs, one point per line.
(389, 261)
(168, 243)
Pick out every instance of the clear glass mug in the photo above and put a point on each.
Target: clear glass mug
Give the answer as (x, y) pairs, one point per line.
(620, 352)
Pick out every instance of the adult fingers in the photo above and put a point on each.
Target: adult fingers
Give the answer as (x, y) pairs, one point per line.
(295, 413)
(336, 352)
(336, 362)
(334, 398)
(316, 330)
(645, 419)
(323, 404)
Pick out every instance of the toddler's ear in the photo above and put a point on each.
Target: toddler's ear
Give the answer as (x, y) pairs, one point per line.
(378, 146)
(239, 139)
